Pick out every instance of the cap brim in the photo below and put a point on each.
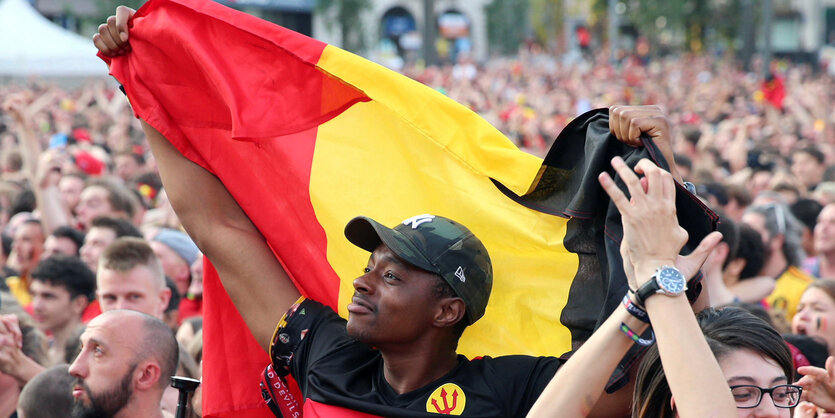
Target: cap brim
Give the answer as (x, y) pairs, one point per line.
(367, 234)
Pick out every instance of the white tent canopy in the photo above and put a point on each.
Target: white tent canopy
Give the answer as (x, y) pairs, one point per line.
(31, 45)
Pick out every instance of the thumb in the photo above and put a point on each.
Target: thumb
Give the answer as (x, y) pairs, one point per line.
(699, 255)
(123, 16)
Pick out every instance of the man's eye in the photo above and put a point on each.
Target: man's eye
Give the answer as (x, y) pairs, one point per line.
(366, 270)
(389, 275)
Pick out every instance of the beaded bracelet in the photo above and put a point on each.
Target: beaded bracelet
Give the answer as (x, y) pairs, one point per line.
(634, 309)
(635, 337)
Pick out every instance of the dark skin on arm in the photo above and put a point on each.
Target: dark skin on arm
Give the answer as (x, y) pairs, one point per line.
(252, 276)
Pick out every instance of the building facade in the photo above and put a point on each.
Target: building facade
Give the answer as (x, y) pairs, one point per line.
(396, 27)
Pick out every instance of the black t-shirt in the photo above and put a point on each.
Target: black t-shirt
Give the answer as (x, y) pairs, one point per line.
(332, 368)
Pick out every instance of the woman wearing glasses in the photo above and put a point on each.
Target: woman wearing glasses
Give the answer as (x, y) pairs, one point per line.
(727, 364)
(755, 361)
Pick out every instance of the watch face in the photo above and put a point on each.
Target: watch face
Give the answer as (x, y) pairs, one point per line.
(671, 281)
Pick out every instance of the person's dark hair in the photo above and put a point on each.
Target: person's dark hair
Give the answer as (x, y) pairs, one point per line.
(7, 244)
(121, 227)
(150, 178)
(73, 347)
(814, 349)
(752, 250)
(691, 134)
(730, 236)
(70, 233)
(807, 211)
(147, 186)
(34, 341)
(787, 187)
(13, 161)
(69, 272)
(757, 310)
(726, 330)
(47, 395)
(812, 151)
(137, 157)
(119, 197)
(174, 302)
(828, 173)
(740, 194)
(683, 161)
(23, 202)
(715, 190)
(158, 340)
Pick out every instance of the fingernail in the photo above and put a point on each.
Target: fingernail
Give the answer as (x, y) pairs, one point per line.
(124, 36)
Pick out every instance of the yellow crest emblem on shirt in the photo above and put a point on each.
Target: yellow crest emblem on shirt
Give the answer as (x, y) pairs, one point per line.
(447, 399)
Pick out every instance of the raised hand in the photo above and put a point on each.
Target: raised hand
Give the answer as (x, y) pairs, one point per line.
(112, 39)
(819, 384)
(627, 123)
(652, 236)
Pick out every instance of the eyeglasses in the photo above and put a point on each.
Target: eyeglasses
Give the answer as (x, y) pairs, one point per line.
(783, 396)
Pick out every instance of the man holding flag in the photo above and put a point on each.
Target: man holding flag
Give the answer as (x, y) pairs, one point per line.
(427, 278)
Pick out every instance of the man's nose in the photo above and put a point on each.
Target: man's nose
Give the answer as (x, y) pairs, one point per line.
(78, 368)
(363, 283)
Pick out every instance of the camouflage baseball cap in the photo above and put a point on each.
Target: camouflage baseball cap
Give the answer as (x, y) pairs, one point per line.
(438, 245)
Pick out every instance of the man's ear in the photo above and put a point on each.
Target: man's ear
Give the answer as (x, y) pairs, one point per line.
(777, 242)
(164, 298)
(78, 304)
(735, 267)
(450, 312)
(147, 375)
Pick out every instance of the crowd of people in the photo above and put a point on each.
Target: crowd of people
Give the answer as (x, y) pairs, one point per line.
(102, 288)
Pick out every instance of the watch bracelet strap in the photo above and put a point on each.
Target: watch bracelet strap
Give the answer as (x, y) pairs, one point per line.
(635, 337)
(635, 310)
(640, 300)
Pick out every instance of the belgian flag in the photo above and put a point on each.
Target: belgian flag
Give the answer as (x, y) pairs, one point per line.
(306, 136)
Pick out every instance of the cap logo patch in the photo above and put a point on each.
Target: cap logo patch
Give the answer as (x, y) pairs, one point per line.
(459, 273)
(415, 221)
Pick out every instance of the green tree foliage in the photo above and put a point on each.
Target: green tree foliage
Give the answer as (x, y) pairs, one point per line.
(107, 8)
(506, 24)
(347, 15)
(692, 25)
(547, 19)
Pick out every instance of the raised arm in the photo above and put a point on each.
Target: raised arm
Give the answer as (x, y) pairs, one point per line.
(687, 360)
(41, 168)
(579, 384)
(252, 276)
